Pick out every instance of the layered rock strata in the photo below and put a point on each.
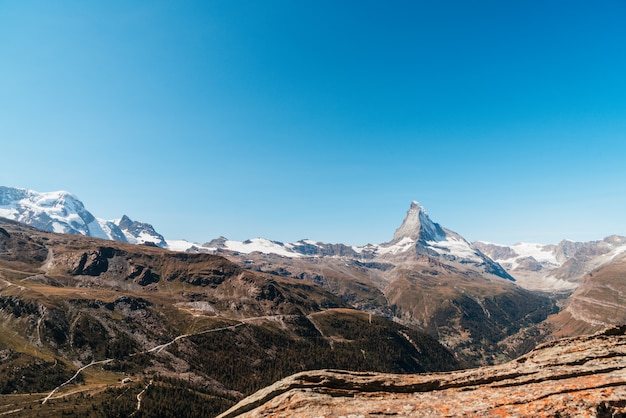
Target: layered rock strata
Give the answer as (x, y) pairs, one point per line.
(582, 376)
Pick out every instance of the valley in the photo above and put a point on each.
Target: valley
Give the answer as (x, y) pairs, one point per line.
(128, 323)
(426, 277)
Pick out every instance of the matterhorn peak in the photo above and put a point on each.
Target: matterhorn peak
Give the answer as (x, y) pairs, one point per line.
(417, 225)
(416, 205)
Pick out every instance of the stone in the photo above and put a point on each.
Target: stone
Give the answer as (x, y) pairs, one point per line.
(580, 376)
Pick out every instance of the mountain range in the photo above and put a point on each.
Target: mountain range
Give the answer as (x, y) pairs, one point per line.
(90, 326)
(78, 293)
(487, 302)
(543, 267)
(64, 213)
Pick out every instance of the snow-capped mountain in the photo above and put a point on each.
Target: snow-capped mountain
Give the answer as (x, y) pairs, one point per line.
(540, 267)
(426, 275)
(417, 236)
(139, 232)
(534, 266)
(418, 226)
(553, 267)
(63, 212)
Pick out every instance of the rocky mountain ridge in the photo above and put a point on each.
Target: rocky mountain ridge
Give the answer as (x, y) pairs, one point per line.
(426, 276)
(417, 235)
(544, 267)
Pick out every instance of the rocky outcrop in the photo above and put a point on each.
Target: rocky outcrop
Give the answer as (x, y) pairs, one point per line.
(140, 232)
(324, 250)
(582, 376)
(92, 263)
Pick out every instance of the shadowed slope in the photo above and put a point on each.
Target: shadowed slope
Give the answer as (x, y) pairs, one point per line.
(583, 376)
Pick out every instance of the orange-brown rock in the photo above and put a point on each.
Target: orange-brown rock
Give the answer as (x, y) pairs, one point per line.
(581, 376)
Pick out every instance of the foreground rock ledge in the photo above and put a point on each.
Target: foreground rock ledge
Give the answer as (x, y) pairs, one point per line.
(580, 376)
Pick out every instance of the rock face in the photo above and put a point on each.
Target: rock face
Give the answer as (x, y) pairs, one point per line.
(582, 376)
(140, 232)
(418, 226)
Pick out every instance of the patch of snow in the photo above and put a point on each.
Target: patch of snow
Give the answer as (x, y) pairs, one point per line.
(180, 245)
(260, 245)
(543, 254)
(405, 244)
(536, 251)
(8, 212)
(142, 238)
(609, 256)
(200, 306)
(455, 247)
(99, 229)
(58, 228)
(617, 251)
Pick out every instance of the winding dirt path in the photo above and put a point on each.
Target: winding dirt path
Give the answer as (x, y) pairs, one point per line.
(140, 396)
(160, 348)
(93, 363)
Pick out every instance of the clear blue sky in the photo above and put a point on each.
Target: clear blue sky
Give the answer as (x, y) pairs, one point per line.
(322, 119)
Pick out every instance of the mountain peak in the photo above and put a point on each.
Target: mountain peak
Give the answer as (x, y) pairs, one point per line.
(417, 225)
(140, 232)
(417, 205)
(63, 212)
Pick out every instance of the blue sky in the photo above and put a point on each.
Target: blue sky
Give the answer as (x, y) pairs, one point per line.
(322, 119)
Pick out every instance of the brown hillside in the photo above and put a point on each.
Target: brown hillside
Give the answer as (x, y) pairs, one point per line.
(88, 326)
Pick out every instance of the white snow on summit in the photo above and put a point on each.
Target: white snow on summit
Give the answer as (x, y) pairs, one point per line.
(62, 212)
(59, 211)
